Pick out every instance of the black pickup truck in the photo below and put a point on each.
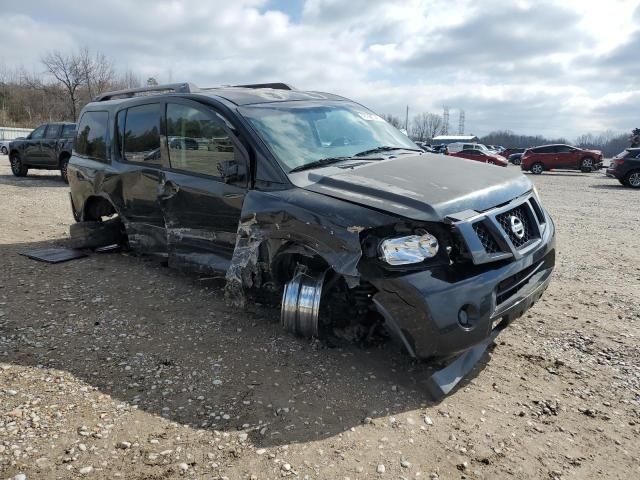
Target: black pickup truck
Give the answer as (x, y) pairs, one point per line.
(48, 147)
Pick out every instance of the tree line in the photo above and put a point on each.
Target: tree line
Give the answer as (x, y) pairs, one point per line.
(69, 80)
(425, 126)
(66, 82)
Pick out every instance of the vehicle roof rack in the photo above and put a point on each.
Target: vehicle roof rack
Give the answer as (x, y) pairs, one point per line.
(275, 86)
(132, 92)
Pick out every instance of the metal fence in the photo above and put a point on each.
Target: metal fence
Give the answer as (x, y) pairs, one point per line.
(11, 133)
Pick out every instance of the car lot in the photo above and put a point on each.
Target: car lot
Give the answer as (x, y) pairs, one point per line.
(114, 365)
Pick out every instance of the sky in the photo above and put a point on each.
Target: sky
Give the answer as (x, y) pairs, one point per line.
(556, 68)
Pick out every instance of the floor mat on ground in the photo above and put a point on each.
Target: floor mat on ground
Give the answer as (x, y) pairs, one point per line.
(54, 255)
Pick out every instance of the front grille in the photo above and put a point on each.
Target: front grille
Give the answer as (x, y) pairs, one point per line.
(523, 214)
(489, 244)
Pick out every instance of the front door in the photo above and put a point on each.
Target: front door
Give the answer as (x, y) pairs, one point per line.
(49, 146)
(33, 149)
(202, 193)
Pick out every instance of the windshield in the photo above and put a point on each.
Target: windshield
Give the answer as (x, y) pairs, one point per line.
(301, 134)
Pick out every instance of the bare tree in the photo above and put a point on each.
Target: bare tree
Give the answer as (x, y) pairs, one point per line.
(393, 120)
(67, 71)
(635, 138)
(97, 72)
(425, 126)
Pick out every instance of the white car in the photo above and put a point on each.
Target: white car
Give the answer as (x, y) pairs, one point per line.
(459, 146)
(4, 146)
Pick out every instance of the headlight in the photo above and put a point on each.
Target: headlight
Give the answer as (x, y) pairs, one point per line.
(410, 249)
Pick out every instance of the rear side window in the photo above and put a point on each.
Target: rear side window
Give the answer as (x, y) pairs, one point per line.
(68, 131)
(91, 140)
(543, 150)
(53, 131)
(198, 142)
(142, 134)
(563, 149)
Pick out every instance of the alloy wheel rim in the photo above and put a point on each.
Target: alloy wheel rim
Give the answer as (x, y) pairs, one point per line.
(634, 179)
(587, 162)
(15, 165)
(537, 169)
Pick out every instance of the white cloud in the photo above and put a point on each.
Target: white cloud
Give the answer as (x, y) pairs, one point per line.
(529, 66)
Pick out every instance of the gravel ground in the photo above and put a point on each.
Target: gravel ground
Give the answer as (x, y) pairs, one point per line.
(114, 366)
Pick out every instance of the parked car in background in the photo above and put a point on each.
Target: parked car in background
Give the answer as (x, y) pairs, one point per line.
(626, 167)
(4, 146)
(564, 157)
(48, 147)
(183, 143)
(515, 158)
(481, 156)
(510, 151)
(442, 253)
(442, 149)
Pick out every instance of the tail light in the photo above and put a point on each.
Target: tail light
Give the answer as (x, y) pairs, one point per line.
(618, 161)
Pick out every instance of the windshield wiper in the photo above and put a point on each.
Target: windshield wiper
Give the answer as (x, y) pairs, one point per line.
(319, 163)
(384, 148)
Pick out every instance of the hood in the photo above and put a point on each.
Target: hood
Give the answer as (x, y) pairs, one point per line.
(423, 187)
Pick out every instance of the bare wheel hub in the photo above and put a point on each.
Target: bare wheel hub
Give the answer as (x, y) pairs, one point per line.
(301, 302)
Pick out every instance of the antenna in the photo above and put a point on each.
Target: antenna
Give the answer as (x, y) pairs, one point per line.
(445, 120)
(461, 123)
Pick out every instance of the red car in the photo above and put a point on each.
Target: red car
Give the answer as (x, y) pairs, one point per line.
(481, 156)
(549, 157)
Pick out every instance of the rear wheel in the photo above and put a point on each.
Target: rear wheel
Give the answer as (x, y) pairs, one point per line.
(64, 163)
(633, 179)
(516, 161)
(537, 168)
(17, 167)
(587, 164)
(4, 150)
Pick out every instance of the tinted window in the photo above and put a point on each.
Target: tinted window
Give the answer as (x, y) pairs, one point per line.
(91, 140)
(68, 131)
(472, 152)
(38, 133)
(543, 150)
(53, 131)
(564, 149)
(199, 143)
(142, 134)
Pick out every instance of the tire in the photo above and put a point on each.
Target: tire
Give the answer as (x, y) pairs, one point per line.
(95, 234)
(64, 163)
(587, 165)
(17, 167)
(537, 168)
(517, 162)
(4, 150)
(632, 179)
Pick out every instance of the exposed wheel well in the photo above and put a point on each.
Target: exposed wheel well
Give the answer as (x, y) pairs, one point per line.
(289, 256)
(63, 156)
(97, 207)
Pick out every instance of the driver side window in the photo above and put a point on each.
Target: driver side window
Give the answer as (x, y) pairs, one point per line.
(38, 133)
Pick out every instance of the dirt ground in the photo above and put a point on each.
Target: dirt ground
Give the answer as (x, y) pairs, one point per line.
(114, 366)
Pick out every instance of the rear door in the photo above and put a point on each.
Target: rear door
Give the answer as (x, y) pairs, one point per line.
(203, 192)
(33, 150)
(49, 145)
(143, 160)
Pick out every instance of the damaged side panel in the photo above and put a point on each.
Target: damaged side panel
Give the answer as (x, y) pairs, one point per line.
(324, 225)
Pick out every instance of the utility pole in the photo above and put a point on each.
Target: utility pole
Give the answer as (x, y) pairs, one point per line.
(406, 120)
(461, 123)
(445, 120)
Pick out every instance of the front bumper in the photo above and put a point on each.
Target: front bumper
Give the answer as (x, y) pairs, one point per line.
(436, 316)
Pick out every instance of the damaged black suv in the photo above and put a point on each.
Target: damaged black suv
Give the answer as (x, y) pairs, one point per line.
(314, 200)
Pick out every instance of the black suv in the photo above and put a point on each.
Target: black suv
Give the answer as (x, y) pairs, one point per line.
(317, 203)
(626, 167)
(48, 147)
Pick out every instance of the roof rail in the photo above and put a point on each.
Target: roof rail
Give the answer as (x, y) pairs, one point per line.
(132, 92)
(275, 86)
